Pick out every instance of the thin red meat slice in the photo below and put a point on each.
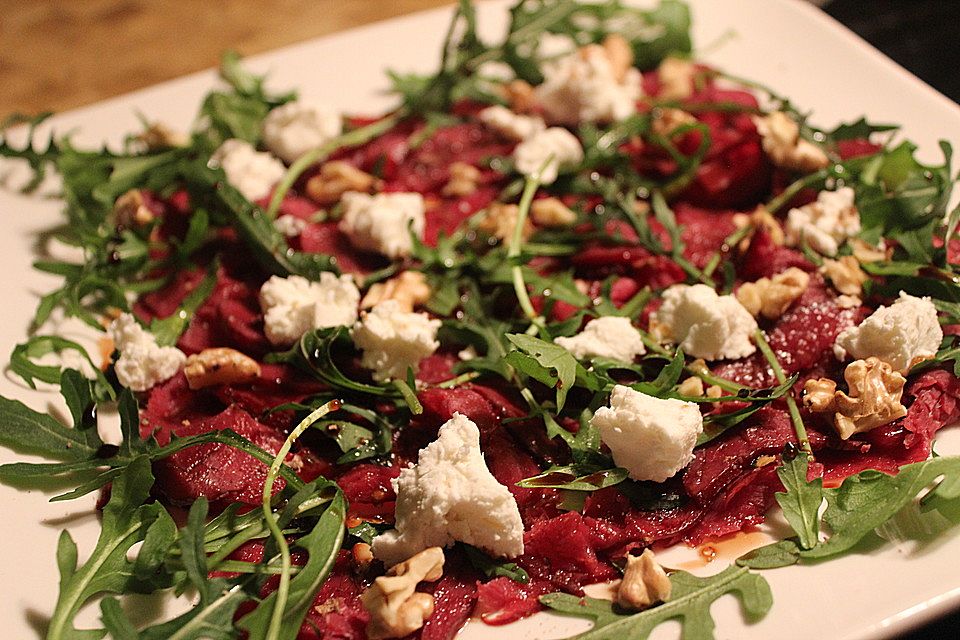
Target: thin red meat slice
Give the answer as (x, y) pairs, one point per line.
(731, 455)
(216, 471)
(454, 597)
(560, 551)
(703, 231)
(369, 492)
(764, 258)
(743, 504)
(502, 600)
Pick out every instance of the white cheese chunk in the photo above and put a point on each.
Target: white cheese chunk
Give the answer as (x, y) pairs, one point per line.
(448, 496)
(293, 129)
(393, 340)
(509, 124)
(293, 306)
(142, 363)
(825, 224)
(704, 324)
(583, 87)
(650, 437)
(900, 335)
(607, 337)
(290, 226)
(382, 223)
(253, 173)
(547, 152)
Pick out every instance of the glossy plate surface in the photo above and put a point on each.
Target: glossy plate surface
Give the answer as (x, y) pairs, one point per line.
(786, 44)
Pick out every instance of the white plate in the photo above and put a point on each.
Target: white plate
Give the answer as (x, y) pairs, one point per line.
(787, 44)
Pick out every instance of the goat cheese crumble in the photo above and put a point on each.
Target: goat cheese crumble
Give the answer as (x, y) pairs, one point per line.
(142, 363)
(547, 152)
(394, 340)
(448, 496)
(383, 223)
(607, 337)
(293, 306)
(509, 124)
(583, 87)
(900, 335)
(706, 325)
(253, 173)
(826, 223)
(290, 226)
(652, 438)
(293, 129)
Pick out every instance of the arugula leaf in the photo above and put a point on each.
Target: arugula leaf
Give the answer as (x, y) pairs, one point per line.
(314, 355)
(865, 501)
(23, 355)
(38, 159)
(801, 500)
(689, 603)
(125, 521)
(860, 130)
(861, 504)
(213, 621)
(168, 330)
(494, 568)
(322, 544)
(28, 431)
(546, 362)
(573, 478)
(772, 556)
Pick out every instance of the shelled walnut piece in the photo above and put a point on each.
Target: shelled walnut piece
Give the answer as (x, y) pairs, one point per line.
(219, 365)
(618, 51)
(644, 582)
(335, 179)
(409, 289)
(130, 210)
(845, 274)
(395, 607)
(780, 136)
(463, 180)
(676, 78)
(521, 96)
(159, 136)
(500, 219)
(551, 212)
(771, 297)
(761, 218)
(667, 120)
(874, 396)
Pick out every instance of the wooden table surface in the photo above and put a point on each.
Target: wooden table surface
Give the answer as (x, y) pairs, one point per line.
(55, 55)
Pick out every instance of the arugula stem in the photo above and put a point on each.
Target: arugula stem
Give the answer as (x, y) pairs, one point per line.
(459, 380)
(796, 187)
(515, 247)
(701, 372)
(276, 619)
(350, 139)
(798, 427)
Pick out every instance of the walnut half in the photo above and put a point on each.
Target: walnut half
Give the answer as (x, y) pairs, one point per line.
(782, 143)
(845, 274)
(219, 365)
(409, 289)
(335, 179)
(771, 297)
(873, 400)
(644, 582)
(395, 607)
